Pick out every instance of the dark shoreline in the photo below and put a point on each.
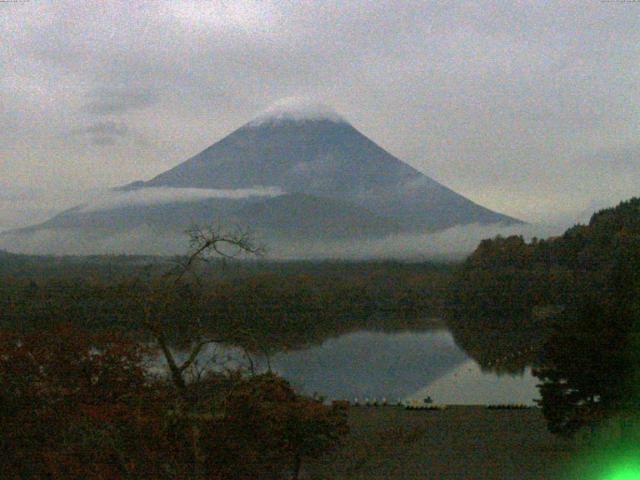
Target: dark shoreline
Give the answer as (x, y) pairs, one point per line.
(461, 442)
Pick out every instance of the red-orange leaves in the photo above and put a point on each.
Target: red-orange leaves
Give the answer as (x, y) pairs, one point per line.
(77, 405)
(267, 429)
(66, 397)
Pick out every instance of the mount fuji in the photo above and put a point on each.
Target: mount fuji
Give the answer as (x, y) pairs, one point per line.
(296, 172)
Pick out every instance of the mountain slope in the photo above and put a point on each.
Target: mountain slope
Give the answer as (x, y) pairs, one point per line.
(301, 216)
(331, 159)
(313, 156)
(288, 174)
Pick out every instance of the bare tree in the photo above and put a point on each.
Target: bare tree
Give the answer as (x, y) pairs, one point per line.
(205, 244)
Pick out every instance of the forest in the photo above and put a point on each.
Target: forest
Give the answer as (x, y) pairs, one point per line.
(568, 305)
(285, 304)
(79, 398)
(76, 334)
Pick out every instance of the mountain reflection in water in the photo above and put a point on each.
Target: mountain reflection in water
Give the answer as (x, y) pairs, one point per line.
(395, 366)
(371, 364)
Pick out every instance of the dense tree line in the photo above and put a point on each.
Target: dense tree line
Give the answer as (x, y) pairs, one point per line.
(287, 308)
(569, 305)
(591, 362)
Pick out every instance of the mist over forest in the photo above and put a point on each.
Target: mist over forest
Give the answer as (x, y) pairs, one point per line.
(454, 243)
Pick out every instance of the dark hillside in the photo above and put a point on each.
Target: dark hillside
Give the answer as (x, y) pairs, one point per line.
(513, 290)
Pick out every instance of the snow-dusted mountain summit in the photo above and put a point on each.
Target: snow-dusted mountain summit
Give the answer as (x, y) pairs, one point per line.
(297, 171)
(313, 150)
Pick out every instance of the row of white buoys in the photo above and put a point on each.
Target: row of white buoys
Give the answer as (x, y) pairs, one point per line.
(424, 405)
(509, 406)
(370, 402)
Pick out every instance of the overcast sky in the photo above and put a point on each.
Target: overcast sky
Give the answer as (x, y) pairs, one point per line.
(530, 108)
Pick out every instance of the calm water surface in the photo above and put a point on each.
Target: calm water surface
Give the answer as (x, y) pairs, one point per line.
(396, 366)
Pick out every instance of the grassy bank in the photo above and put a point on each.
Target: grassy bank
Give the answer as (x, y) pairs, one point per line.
(461, 442)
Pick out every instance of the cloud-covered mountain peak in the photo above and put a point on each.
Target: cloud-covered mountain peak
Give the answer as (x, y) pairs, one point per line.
(297, 109)
(300, 174)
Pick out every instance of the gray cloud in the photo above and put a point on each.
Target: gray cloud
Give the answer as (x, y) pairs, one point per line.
(110, 101)
(159, 195)
(453, 243)
(103, 140)
(510, 103)
(626, 158)
(108, 128)
(103, 132)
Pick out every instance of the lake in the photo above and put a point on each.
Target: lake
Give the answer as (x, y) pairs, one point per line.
(406, 365)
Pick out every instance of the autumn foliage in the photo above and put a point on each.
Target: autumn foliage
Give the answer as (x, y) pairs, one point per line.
(79, 405)
(65, 397)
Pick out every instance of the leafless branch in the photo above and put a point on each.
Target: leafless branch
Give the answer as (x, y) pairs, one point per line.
(205, 243)
(195, 351)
